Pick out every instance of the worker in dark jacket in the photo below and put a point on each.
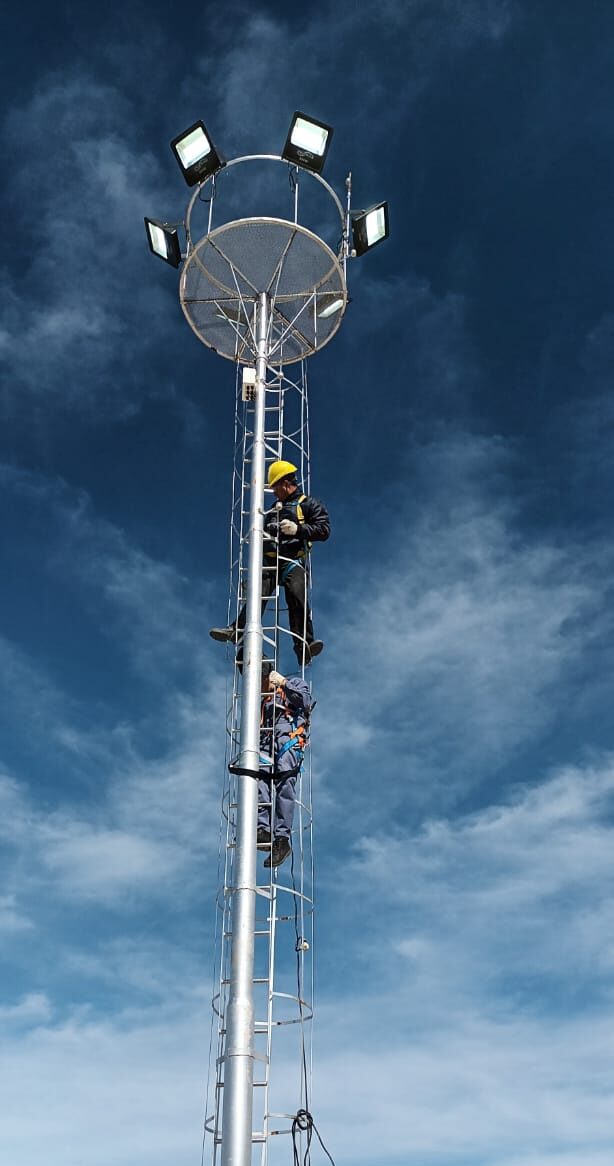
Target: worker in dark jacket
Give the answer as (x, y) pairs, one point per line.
(290, 527)
(285, 718)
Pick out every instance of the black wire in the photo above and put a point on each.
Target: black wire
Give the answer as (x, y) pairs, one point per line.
(211, 196)
(299, 985)
(303, 1122)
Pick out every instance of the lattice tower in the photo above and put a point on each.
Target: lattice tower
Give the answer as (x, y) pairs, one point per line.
(267, 292)
(284, 932)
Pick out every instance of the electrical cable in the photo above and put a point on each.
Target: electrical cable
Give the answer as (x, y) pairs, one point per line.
(303, 1122)
(299, 985)
(211, 197)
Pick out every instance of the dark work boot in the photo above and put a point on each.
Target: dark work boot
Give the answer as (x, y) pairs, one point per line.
(309, 650)
(281, 850)
(263, 838)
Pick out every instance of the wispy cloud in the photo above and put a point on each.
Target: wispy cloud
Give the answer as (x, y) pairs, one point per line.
(30, 1011)
(148, 830)
(457, 644)
(69, 320)
(263, 52)
(143, 604)
(467, 1067)
(104, 1091)
(517, 882)
(482, 947)
(11, 919)
(153, 772)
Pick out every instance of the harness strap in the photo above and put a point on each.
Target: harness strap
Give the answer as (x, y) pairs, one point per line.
(296, 740)
(286, 571)
(300, 748)
(258, 773)
(292, 503)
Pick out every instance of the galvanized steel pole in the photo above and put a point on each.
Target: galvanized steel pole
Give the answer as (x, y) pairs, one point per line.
(239, 1048)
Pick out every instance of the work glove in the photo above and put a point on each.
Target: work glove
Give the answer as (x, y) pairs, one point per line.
(287, 526)
(276, 680)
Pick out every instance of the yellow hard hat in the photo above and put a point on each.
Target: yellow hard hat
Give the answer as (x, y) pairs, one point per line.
(278, 470)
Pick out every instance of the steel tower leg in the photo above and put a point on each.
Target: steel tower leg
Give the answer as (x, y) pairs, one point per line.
(239, 1052)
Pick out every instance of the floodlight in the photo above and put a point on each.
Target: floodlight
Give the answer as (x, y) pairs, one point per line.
(328, 304)
(369, 228)
(307, 142)
(197, 156)
(163, 241)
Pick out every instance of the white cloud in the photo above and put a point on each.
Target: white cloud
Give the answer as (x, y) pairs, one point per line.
(476, 1091)
(458, 643)
(144, 604)
(148, 966)
(103, 862)
(340, 49)
(70, 320)
(154, 775)
(11, 919)
(147, 831)
(486, 958)
(31, 1011)
(505, 911)
(13, 814)
(128, 1093)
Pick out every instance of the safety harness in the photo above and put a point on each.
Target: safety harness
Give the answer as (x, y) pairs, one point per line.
(295, 505)
(298, 739)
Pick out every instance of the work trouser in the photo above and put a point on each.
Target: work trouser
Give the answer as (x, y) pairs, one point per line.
(276, 797)
(294, 583)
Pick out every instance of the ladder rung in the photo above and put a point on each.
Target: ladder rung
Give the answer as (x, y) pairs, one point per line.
(255, 980)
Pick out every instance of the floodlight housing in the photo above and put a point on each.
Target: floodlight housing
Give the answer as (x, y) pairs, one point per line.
(197, 156)
(328, 304)
(369, 228)
(307, 142)
(163, 241)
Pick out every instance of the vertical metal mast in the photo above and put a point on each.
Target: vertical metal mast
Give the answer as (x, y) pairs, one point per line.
(239, 1074)
(283, 930)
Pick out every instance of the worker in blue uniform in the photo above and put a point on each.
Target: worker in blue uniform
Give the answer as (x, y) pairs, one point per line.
(284, 727)
(290, 527)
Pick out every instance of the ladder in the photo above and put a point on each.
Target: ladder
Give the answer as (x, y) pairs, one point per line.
(284, 929)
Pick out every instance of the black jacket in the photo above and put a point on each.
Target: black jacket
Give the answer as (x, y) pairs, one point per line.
(313, 527)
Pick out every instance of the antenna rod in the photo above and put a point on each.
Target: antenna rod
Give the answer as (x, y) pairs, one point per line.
(239, 1053)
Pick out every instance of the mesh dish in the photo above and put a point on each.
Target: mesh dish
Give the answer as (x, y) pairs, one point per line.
(228, 269)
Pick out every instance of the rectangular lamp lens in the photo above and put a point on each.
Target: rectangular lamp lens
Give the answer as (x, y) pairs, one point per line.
(193, 147)
(329, 309)
(307, 136)
(375, 225)
(158, 240)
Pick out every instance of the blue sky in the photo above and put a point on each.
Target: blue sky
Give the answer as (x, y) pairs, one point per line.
(461, 426)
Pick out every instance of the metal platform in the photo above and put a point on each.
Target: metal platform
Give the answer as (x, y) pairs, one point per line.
(231, 266)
